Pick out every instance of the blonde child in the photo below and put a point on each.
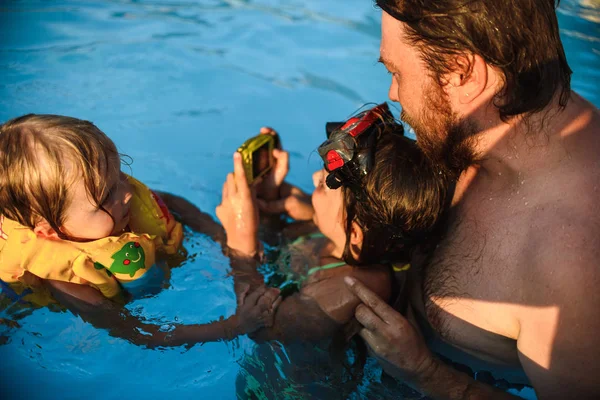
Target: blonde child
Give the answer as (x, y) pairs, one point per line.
(71, 218)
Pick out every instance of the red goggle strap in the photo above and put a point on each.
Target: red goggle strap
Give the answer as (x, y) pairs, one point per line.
(354, 127)
(364, 122)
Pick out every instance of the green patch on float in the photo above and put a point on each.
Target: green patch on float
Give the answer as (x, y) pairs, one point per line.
(128, 260)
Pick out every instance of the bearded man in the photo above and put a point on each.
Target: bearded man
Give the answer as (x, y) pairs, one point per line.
(514, 280)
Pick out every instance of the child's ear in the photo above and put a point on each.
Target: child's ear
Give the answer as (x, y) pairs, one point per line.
(44, 230)
(356, 240)
(356, 235)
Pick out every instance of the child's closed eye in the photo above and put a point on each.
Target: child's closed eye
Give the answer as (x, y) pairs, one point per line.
(109, 195)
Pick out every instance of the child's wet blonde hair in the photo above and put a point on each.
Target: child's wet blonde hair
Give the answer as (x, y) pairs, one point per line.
(41, 157)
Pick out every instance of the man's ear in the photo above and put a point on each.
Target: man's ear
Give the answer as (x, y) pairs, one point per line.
(44, 230)
(469, 78)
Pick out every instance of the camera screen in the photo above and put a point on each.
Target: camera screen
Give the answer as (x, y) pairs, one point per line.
(260, 160)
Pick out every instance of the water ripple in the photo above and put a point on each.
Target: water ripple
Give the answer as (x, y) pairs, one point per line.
(199, 112)
(581, 36)
(323, 83)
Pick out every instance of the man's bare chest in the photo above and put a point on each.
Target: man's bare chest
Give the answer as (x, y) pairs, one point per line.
(468, 287)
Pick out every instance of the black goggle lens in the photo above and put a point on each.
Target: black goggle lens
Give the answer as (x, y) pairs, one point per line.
(331, 127)
(332, 181)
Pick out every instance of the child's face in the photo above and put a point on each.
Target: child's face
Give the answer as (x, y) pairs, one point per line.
(329, 209)
(84, 220)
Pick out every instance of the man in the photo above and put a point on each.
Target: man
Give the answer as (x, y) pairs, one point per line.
(486, 87)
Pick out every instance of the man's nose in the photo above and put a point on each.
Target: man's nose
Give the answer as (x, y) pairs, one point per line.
(393, 92)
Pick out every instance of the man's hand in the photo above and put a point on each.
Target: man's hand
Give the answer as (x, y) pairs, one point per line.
(394, 341)
(238, 212)
(403, 353)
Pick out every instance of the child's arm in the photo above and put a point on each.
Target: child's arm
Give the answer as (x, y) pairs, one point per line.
(303, 316)
(275, 196)
(320, 309)
(190, 215)
(289, 200)
(254, 311)
(292, 202)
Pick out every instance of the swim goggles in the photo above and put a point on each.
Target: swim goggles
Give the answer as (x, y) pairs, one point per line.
(348, 153)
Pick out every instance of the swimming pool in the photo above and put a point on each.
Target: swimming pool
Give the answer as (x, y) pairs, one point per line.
(178, 84)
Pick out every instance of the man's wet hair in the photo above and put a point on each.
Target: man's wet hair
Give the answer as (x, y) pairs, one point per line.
(520, 38)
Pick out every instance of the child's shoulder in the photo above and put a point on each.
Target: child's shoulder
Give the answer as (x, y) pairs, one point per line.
(332, 295)
(376, 277)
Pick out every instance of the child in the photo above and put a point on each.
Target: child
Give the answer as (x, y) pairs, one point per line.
(377, 199)
(69, 215)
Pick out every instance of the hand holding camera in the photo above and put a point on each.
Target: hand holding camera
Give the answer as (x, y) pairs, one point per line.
(275, 196)
(260, 168)
(238, 212)
(267, 188)
(292, 201)
(257, 155)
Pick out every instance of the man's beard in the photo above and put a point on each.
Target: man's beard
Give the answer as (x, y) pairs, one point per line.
(445, 139)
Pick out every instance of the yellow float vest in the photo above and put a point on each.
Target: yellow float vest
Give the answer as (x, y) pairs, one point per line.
(101, 263)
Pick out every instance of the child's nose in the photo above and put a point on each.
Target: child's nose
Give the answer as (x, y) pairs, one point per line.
(317, 177)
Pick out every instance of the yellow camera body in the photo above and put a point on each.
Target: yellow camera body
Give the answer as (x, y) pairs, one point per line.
(257, 156)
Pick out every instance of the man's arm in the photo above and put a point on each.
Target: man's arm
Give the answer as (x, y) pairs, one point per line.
(440, 381)
(403, 353)
(558, 343)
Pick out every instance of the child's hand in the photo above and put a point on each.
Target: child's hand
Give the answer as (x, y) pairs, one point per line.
(238, 212)
(268, 187)
(257, 309)
(293, 202)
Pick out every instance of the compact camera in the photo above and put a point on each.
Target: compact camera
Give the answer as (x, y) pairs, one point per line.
(257, 156)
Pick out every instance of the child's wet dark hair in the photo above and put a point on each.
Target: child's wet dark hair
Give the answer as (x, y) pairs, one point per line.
(397, 204)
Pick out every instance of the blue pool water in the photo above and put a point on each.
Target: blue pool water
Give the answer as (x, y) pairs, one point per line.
(178, 84)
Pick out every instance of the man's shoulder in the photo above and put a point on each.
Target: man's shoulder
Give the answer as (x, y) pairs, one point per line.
(561, 254)
(556, 227)
(562, 193)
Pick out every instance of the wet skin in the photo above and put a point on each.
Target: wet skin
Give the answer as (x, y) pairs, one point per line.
(522, 244)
